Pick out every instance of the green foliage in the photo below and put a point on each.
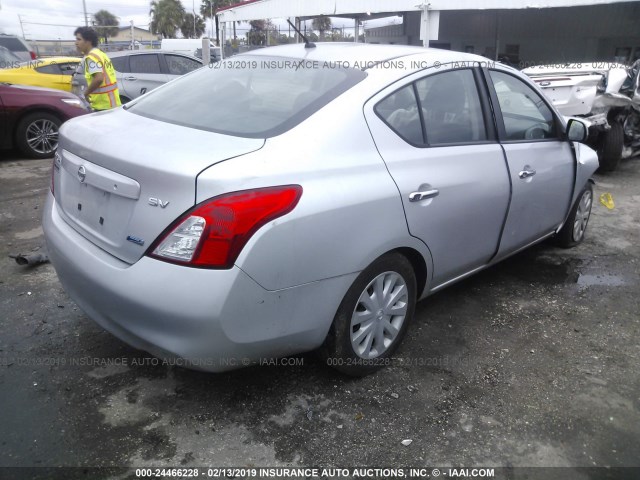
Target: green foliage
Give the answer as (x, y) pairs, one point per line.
(321, 24)
(187, 26)
(167, 17)
(209, 7)
(105, 24)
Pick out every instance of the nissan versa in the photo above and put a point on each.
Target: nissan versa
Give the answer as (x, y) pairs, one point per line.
(298, 198)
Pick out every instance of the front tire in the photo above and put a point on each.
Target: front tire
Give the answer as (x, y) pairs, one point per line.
(573, 231)
(373, 317)
(37, 135)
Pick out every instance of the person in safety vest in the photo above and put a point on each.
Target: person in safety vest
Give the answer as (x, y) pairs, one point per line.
(102, 89)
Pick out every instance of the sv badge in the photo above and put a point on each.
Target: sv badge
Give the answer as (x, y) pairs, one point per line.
(156, 202)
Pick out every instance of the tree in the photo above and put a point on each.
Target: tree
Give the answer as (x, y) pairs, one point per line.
(257, 35)
(166, 17)
(187, 26)
(209, 8)
(105, 24)
(322, 24)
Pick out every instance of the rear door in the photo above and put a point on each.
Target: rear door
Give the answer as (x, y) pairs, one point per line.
(540, 160)
(145, 74)
(448, 166)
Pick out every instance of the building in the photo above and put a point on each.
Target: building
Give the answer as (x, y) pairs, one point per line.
(522, 31)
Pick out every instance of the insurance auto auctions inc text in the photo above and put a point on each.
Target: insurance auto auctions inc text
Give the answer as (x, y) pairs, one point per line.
(326, 473)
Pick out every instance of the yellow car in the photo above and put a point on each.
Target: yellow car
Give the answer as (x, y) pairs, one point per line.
(54, 72)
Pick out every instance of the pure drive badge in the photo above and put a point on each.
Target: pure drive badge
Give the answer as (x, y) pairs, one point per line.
(136, 240)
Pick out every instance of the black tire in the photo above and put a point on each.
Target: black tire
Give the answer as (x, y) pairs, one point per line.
(610, 148)
(338, 350)
(573, 231)
(37, 135)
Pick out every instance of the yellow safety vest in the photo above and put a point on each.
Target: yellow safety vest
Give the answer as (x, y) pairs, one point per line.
(106, 96)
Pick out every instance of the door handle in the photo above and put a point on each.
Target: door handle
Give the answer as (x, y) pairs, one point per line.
(528, 172)
(131, 79)
(417, 196)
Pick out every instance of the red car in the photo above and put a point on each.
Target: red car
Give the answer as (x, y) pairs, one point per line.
(30, 118)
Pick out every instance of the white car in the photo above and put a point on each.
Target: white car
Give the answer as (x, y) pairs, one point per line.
(604, 93)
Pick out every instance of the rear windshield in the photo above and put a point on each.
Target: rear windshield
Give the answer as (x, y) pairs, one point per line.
(13, 44)
(254, 97)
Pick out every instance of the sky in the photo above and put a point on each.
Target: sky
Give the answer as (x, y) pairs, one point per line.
(63, 16)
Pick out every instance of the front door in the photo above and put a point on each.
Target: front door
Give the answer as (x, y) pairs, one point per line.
(541, 162)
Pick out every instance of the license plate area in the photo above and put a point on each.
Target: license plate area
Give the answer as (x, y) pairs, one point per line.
(98, 202)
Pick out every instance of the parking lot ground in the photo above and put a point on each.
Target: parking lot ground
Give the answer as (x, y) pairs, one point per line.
(534, 362)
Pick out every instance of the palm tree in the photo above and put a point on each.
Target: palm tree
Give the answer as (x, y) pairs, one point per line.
(187, 26)
(322, 24)
(106, 24)
(209, 8)
(166, 17)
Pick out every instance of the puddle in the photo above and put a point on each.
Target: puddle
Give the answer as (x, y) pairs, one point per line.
(603, 279)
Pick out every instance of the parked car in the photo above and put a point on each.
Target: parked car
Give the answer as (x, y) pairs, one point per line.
(7, 59)
(287, 201)
(187, 46)
(215, 54)
(30, 118)
(18, 47)
(605, 94)
(138, 72)
(54, 72)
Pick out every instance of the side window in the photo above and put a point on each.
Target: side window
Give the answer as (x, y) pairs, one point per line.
(120, 64)
(68, 68)
(526, 116)
(49, 69)
(180, 65)
(400, 111)
(451, 108)
(144, 63)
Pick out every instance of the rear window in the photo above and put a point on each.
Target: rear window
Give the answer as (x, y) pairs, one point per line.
(254, 97)
(13, 44)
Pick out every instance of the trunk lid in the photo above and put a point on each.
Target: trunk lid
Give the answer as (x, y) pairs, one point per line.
(571, 94)
(121, 179)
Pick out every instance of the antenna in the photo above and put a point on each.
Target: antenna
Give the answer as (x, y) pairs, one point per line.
(307, 43)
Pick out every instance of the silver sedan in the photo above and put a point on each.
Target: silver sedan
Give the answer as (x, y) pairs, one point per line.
(296, 198)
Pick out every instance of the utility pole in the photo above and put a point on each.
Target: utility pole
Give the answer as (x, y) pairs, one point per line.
(133, 41)
(193, 7)
(84, 7)
(21, 28)
(211, 18)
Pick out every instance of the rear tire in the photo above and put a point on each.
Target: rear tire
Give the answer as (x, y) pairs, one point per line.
(610, 148)
(373, 317)
(573, 231)
(37, 135)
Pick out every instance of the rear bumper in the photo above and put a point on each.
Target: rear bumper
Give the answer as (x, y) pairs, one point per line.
(213, 319)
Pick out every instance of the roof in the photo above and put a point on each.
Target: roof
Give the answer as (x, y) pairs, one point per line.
(365, 54)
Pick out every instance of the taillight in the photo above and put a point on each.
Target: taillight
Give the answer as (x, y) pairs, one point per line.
(33, 55)
(213, 233)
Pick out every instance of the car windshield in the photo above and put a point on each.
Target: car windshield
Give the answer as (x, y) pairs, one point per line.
(254, 97)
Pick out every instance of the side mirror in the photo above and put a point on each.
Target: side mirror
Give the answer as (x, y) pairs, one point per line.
(577, 130)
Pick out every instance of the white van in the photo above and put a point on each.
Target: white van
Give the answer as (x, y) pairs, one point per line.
(183, 45)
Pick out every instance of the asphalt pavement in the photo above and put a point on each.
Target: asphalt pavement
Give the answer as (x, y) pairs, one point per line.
(534, 362)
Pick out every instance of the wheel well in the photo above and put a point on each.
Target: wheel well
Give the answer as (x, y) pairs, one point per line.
(27, 113)
(419, 267)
